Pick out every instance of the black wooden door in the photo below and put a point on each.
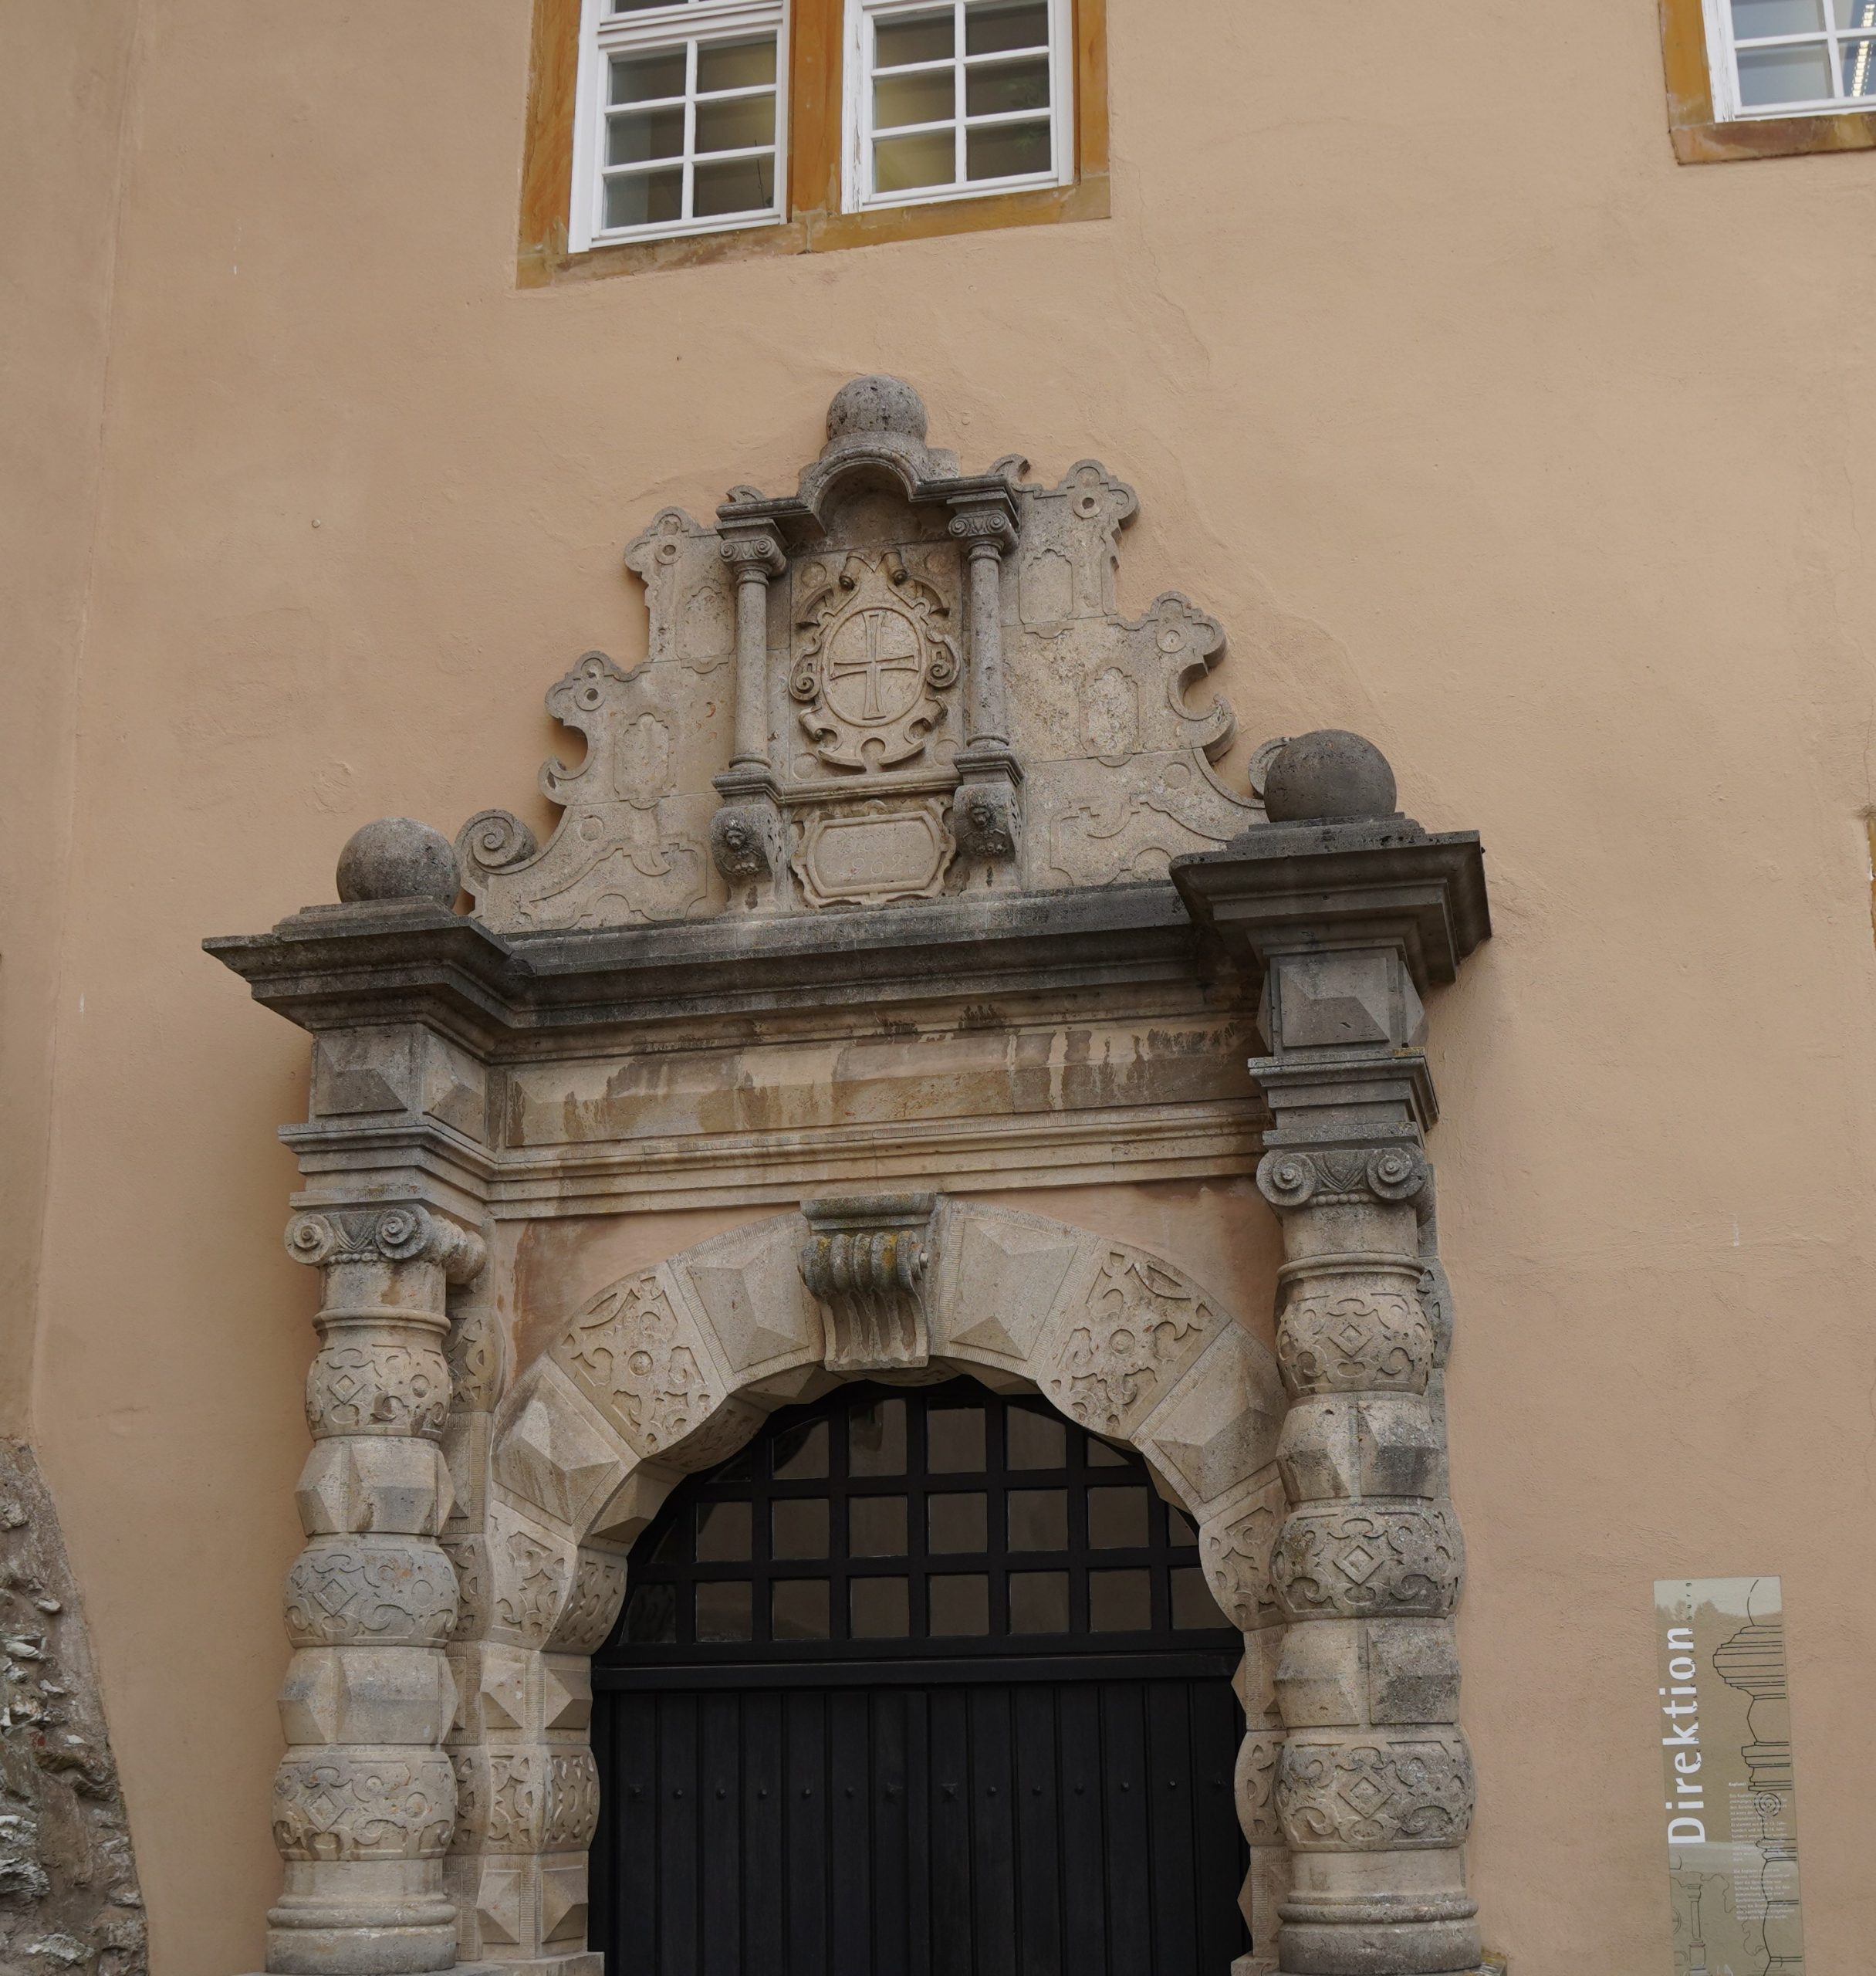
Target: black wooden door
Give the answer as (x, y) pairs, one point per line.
(921, 1683)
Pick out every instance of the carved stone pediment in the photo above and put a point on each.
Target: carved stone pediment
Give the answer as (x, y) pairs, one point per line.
(899, 681)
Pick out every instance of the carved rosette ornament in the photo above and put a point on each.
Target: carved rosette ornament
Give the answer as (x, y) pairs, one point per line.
(364, 1800)
(1374, 1787)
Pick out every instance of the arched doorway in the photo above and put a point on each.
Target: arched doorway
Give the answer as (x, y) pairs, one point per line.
(922, 1682)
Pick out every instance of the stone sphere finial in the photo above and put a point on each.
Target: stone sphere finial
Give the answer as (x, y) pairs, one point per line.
(397, 858)
(876, 404)
(1329, 776)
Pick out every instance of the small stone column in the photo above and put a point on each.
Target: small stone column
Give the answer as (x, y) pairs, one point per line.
(1347, 911)
(754, 555)
(985, 810)
(364, 1799)
(745, 833)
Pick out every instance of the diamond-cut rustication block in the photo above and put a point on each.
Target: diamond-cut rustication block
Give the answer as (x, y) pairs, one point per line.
(1318, 1450)
(1319, 1679)
(1413, 1670)
(367, 1694)
(397, 1485)
(1402, 1449)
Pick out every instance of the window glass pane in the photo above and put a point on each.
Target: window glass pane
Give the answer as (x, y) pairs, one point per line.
(927, 97)
(1753, 18)
(924, 38)
(1039, 1601)
(957, 1523)
(875, 1438)
(954, 1440)
(1860, 68)
(723, 1531)
(723, 1611)
(1036, 1440)
(1181, 1531)
(881, 1609)
(1101, 1455)
(735, 65)
(800, 1453)
(904, 164)
(1004, 151)
(960, 1604)
(876, 1526)
(1784, 75)
(799, 1529)
(737, 123)
(1116, 1519)
(799, 1609)
(641, 134)
(644, 77)
(670, 1546)
(651, 1616)
(991, 25)
(1853, 13)
(1193, 1606)
(998, 85)
(1119, 1602)
(645, 199)
(741, 185)
(1038, 1519)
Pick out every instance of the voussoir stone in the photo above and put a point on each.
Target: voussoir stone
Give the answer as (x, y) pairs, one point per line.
(398, 857)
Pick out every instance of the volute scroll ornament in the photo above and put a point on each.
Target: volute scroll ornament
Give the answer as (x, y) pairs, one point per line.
(397, 1233)
(1292, 1178)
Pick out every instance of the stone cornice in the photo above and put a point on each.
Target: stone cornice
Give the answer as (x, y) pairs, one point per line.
(1291, 887)
(336, 967)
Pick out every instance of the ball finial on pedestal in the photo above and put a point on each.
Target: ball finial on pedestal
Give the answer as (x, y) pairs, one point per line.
(398, 857)
(876, 404)
(1329, 776)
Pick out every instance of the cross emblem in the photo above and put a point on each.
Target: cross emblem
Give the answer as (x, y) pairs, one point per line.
(879, 652)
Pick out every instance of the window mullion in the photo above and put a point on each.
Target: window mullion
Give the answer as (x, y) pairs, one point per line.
(957, 99)
(689, 207)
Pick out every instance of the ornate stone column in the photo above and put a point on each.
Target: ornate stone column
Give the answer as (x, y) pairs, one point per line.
(1348, 911)
(364, 1799)
(754, 555)
(985, 812)
(744, 834)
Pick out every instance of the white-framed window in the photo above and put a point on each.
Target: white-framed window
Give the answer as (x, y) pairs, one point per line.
(1787, 58)
(951, 99)
(680, 125)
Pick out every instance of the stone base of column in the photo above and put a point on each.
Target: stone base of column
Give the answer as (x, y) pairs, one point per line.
(1380, 1913)
(387, 1918)
(582, 1962)
(1381, 1948)
(589, 1962)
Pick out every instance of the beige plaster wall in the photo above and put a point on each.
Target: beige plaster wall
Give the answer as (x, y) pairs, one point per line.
(1484, 427)
(63, 99)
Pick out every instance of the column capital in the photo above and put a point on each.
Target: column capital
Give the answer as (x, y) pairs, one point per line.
(385, 1232)
(753, 549)
(985, 521)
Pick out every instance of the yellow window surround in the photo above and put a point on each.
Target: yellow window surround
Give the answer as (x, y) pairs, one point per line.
(815, 221)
